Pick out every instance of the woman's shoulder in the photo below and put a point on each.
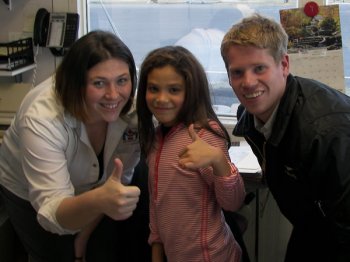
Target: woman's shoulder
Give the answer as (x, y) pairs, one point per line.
(41, 107)
(41, 102)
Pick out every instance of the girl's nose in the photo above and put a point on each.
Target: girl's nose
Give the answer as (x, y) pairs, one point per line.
(162, 98)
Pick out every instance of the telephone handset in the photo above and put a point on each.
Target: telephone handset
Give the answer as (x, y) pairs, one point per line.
(55, 30)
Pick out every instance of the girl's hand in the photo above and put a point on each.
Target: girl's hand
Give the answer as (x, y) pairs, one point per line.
(200, 154)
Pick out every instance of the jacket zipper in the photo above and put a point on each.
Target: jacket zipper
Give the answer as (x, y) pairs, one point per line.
(263, 154)
(263, 166)
(319, 205)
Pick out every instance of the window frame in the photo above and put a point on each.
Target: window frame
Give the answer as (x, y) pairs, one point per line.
(228, 120)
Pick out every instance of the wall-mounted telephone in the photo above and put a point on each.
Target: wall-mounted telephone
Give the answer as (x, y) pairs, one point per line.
(55, 30)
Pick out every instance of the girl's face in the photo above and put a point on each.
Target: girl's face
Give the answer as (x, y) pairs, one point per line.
(165, 94)
(108, 90)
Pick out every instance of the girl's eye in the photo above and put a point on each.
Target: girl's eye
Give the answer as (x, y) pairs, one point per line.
(174, 90)
(152, 89)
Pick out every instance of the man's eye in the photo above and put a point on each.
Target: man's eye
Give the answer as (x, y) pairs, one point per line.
(259, 69)
(236, 74)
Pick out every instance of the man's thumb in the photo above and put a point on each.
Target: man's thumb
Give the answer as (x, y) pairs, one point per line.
(192, 132)
(118, 170)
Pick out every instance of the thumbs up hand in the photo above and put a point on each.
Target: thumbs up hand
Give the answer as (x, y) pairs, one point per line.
(193, 133)
(118, 201)
(198, 153)
(117, 171)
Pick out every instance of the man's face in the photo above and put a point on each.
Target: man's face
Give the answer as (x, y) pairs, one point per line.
(257, 80)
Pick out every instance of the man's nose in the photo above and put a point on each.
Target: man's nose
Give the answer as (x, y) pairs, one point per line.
(249, 79)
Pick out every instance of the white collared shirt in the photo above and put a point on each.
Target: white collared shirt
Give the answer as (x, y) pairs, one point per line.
(266, 128)
(46, 155)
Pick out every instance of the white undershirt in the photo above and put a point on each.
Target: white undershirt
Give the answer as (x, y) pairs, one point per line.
(266, 128)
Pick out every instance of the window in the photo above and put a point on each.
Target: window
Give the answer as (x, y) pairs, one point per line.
(198, 25)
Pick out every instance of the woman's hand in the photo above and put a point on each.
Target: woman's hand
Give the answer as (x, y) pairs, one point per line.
(112, 199)
(118, 201)
(81, 240)
(80, 243)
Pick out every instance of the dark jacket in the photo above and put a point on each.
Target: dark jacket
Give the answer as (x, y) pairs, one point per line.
(306, 165)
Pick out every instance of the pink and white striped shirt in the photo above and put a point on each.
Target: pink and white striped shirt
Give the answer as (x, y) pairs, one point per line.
(186, 206)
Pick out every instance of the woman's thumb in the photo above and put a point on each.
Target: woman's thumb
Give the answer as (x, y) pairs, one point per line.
(118, 170)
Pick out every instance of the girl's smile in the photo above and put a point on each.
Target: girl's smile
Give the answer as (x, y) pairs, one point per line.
(165, 94)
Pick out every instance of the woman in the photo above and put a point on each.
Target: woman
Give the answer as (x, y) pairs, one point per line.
(67, 159)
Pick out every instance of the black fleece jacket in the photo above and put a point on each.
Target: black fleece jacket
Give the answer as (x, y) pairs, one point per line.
(306, 165)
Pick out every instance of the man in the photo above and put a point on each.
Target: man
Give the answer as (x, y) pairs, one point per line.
(299, 129)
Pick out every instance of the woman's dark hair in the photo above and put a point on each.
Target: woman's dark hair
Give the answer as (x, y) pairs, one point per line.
(71, 75)
(197, 107)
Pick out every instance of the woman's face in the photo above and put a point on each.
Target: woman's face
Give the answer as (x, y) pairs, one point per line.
(108, 90)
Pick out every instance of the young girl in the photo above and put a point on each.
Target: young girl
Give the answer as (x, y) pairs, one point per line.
(191, 178)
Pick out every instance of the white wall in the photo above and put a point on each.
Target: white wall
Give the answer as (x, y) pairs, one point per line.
(18, 23)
